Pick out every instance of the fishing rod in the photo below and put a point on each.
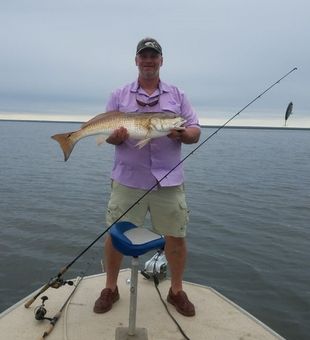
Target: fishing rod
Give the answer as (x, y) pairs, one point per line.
(41, 311)
(56, 281)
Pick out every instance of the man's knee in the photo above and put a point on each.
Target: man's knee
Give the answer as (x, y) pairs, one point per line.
(175, 245)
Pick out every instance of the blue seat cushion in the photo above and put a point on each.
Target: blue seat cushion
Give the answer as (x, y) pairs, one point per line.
(131, 240)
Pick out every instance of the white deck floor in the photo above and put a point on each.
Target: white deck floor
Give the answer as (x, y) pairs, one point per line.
(216, 317)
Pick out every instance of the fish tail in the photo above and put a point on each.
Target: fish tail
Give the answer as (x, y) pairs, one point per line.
(66, 143)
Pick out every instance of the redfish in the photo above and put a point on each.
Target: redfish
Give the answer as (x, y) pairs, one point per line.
(141, 126)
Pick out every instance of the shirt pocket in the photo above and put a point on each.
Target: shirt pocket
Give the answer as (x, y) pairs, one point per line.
(171, 107)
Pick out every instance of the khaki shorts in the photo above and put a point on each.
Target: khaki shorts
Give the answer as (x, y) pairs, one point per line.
(166, 206)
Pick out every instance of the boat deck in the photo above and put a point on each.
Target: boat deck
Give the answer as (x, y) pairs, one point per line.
(216, 317)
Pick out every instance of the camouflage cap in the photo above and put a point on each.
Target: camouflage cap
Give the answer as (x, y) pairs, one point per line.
(149, 43)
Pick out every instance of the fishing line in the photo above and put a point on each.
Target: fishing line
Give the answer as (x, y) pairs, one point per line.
(64, 269)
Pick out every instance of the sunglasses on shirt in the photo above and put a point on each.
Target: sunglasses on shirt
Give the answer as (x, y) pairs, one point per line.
(151, 104)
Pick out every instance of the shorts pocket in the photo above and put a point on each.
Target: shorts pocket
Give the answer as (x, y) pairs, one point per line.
(113, 213)
(184, 213)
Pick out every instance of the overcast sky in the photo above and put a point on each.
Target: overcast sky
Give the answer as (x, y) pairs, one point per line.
(66, 56)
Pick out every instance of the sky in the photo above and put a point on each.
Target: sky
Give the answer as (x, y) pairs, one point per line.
(63, 58)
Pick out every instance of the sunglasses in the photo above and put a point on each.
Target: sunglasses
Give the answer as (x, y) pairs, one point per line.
(153, 103)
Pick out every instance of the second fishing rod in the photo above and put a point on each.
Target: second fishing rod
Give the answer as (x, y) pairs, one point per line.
(57, 281)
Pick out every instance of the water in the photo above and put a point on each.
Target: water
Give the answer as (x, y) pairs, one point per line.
(249, 197)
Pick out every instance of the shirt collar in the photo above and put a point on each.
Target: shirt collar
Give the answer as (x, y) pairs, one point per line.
(163, 87)
(134, 86)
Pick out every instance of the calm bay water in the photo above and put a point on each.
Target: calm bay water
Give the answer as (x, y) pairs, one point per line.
(249, 196)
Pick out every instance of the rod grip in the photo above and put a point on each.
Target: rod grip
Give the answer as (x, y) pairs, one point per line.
(62, 270)
(30, 301)
(48, 331)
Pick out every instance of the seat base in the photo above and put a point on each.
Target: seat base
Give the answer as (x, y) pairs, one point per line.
(121, 333)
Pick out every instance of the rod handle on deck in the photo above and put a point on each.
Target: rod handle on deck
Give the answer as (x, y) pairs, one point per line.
(47, 332)
(30, 301)
(51, 325)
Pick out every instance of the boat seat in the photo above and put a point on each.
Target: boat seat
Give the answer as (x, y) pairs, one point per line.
(133, 241)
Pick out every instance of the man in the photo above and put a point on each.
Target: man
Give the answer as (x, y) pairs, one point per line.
(137, 170)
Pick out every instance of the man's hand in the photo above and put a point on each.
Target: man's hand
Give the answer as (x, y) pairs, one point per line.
(118, 136)
(188, 135)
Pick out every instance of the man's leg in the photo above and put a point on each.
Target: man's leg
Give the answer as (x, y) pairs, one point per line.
(176, 251)
(112, 263)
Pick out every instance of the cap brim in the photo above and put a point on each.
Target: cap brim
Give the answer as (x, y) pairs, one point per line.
(148, 48)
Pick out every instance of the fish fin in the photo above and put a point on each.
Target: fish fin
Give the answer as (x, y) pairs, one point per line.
(101, 116)
(143, 142)
(100, 140)
(65, 143)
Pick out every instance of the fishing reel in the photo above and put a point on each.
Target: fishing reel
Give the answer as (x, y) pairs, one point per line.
(55, 282)
(58, 281)
(156, 267)
(40, 311)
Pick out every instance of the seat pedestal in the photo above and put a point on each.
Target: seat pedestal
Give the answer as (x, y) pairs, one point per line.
(133, 241)
(132, 332)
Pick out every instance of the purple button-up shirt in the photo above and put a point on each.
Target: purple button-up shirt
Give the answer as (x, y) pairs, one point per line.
(143, 168)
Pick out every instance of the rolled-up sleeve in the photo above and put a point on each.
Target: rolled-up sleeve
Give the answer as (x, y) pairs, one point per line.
(113, 102)
(188, 113)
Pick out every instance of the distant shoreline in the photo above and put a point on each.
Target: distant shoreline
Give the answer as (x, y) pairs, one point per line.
(202, 125)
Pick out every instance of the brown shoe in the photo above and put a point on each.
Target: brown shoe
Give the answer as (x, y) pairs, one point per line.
(181, 303)
(106, 299)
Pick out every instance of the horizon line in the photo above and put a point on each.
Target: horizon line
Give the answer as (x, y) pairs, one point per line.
(215, 126)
